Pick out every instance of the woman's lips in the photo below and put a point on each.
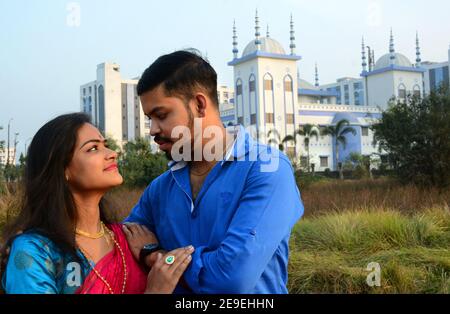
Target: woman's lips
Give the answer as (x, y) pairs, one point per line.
(112, 167)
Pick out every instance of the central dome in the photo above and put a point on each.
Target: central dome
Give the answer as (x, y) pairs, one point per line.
(385, 61)
(267, 45)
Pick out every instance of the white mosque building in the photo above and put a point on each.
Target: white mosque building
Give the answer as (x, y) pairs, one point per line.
(270, 95)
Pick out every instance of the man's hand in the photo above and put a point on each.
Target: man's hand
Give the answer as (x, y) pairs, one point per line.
(137, 237)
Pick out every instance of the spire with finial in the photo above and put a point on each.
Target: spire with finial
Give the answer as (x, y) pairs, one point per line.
(392, 48)
(292, 46)
(418, 58)
(235, 44)
(363, 52)
(257, 34)
(317, 76)
(267, 34)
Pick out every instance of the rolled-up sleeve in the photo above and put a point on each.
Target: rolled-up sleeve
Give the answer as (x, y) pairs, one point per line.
(269, 207)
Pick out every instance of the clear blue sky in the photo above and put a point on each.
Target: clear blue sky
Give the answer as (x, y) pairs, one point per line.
(44, 60)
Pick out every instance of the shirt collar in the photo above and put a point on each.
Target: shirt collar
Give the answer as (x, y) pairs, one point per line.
(243, 144)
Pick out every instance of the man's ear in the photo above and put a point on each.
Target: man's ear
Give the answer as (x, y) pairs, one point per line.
(201, 103)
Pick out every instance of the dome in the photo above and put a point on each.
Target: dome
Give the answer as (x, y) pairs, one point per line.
(385, 61)
(302, 84)
(267, 45)
(345, 116)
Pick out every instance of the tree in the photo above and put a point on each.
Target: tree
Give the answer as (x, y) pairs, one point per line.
(139, 166)
(2, 143)
(275, 139)
(308, 131)
(416, 135)
(338, 132)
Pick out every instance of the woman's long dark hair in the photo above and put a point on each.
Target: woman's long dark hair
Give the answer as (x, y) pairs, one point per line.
(48, 206)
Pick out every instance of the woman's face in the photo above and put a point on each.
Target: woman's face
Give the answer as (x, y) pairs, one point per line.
(93, 166)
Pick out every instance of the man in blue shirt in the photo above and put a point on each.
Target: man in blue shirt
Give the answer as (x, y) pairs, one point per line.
(238, 209)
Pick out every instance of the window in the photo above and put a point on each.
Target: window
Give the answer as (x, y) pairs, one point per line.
(402, 91)
(324, 162)
(84, 91)
(304, 161)
(288, 86)
(253, 118)
(365, 131)
(239, 89)
(240, 120)
(269, 118)
(251, 86)
(290, 118)
(225, 94)
(268, 84)
(90, 89)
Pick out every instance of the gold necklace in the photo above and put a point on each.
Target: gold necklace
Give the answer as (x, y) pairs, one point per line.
(90, 235)
(125, 273)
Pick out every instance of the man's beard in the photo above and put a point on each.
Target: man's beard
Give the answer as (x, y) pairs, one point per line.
(190, 125)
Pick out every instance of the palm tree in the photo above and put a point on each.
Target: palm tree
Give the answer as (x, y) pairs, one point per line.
(276, 139)
(338, 133)
(308, 131)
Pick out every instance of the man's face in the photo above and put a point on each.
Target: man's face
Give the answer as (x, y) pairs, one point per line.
(166, 113)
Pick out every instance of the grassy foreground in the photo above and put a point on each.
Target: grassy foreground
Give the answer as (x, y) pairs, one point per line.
(346, 226)
(330, 253)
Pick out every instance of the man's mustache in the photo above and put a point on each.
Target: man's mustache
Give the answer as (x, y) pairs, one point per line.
(159, 138)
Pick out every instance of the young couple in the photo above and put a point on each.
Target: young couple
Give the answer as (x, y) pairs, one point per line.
(206, 225)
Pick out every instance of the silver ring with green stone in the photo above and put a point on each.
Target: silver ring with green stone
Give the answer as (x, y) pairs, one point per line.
(169, 260)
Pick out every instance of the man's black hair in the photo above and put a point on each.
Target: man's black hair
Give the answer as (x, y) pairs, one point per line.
(181, 73)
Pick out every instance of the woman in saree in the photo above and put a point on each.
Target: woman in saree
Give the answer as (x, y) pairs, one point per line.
(61, 241)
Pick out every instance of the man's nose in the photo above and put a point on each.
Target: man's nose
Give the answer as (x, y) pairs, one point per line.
(154, 128)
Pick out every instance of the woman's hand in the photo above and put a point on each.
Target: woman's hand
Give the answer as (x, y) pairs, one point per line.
(163, 278)
(137, 237)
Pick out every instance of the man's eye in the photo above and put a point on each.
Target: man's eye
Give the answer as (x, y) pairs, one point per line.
(162, 116)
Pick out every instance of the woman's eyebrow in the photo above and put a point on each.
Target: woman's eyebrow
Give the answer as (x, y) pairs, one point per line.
(93, 141)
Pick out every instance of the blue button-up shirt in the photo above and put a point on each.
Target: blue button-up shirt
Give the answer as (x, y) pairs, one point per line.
(239, 224)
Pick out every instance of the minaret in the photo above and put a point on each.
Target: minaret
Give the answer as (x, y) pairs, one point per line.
(363, 52)
(257, 34)
(235, 44)
(267, 34)
(317, 76)
(392, 49)
(373, 59)
(292, 46)
(418, 58)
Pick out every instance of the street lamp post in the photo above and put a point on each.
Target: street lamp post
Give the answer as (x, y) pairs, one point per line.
(7, 153)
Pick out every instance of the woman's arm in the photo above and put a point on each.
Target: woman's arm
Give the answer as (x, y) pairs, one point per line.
(30, 269)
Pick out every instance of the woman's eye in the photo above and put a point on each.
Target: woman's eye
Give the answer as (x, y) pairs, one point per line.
(93, 149)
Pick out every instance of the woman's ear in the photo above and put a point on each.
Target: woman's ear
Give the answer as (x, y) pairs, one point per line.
(67, 175)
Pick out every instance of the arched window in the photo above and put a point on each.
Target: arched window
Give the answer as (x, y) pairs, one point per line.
(288, 83)
(268, 82)
(416, 91)
(402, 91)
(251, 84)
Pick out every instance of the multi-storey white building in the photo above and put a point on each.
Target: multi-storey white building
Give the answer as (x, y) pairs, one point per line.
(114, 105)
(4, 156)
